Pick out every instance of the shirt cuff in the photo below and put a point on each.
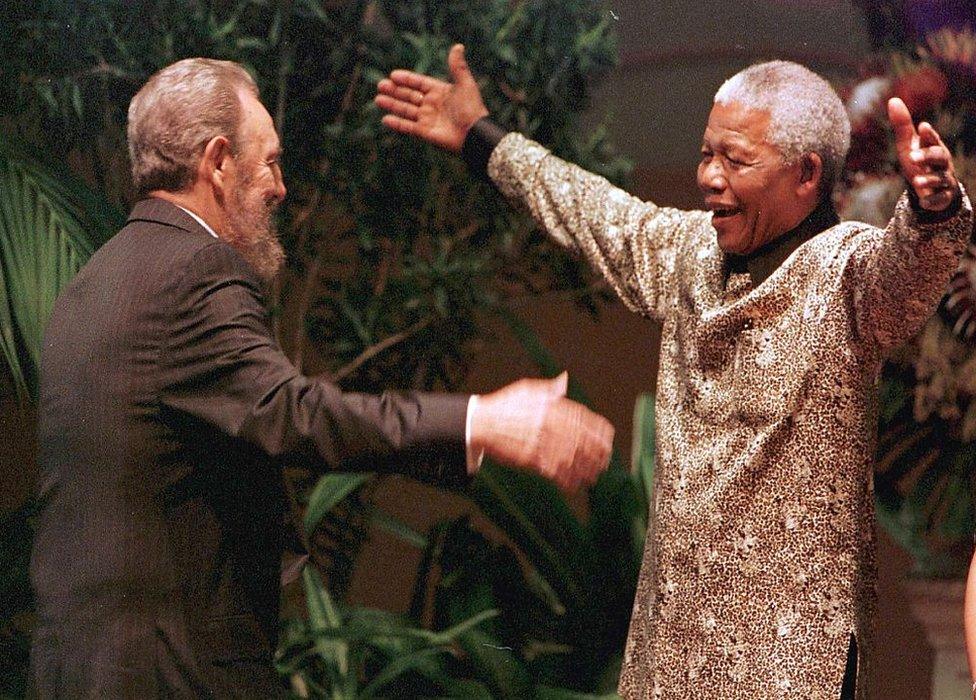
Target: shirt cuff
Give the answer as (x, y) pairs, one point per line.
(473, 458)
(481, 140)
(926, 216)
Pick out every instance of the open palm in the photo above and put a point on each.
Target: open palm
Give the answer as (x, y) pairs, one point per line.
(432, 109)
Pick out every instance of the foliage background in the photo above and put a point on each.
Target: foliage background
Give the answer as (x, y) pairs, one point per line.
(396, 258)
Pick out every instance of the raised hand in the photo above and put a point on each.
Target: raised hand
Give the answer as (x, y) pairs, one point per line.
(530, 424)
(925, 161)
(431, 109)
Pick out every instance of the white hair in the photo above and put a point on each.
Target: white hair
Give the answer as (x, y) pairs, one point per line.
(176, 113)
(805, 114)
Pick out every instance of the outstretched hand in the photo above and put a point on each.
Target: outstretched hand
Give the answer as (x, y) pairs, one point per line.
(530, 424)
(432, 109)
(925, 161)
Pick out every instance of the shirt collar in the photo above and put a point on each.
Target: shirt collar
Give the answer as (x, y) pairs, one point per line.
(762, 262)
(200, 221)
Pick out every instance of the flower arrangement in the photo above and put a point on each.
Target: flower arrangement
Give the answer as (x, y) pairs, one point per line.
(925, 481)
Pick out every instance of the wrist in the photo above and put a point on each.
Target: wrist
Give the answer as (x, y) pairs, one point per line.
(479, 142)
(927, 215)
(478, 427)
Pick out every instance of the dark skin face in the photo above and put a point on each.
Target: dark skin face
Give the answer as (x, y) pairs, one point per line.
(754, 196)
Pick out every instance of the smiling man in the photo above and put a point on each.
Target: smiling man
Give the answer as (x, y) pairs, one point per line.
(758, 575)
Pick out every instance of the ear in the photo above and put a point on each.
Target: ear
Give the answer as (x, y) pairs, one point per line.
(811, 175)
(216, 164)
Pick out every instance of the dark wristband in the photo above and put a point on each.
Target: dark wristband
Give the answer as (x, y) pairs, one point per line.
(481, 140)
(926, 216)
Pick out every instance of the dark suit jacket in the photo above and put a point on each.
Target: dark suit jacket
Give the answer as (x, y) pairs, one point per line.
(165, 410)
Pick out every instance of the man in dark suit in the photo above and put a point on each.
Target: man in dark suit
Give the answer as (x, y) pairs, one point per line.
(166, 408)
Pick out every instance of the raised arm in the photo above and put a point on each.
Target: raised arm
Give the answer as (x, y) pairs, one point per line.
(902, 273)
(631, 243)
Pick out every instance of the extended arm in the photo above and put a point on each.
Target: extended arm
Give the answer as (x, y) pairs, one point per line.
(631, 243)
(902, 274)
(225, 369)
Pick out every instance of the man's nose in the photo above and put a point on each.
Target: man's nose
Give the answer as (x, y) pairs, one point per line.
(711, 176)
(280, 190)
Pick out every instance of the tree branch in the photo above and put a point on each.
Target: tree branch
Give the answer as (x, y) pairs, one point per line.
(374, 350)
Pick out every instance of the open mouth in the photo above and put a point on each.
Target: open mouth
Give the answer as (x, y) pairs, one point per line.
(724, 213)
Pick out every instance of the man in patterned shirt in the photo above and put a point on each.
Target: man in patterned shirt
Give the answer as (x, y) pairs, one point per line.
(759, 575)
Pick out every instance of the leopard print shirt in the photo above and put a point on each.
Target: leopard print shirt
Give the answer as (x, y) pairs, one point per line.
(759, 563)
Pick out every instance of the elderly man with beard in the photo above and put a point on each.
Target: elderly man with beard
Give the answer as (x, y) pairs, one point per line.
(758, 574)
(166, 410)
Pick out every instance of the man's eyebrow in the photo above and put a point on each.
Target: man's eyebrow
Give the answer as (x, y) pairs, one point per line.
(737, 144)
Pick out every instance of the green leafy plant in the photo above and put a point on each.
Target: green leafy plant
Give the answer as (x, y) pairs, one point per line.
(50, 224)
(395, 256)
(552, 601)
(355, 652)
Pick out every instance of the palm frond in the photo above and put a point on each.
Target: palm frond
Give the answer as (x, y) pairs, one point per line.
(50, 224)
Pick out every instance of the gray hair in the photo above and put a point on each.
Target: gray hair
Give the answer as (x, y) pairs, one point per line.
(176, 113)
(805, 114)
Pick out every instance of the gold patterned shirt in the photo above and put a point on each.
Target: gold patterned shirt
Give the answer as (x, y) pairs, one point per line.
(759, 562)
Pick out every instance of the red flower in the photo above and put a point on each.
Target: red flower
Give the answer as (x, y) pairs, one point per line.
(869, 147)
(922, 90)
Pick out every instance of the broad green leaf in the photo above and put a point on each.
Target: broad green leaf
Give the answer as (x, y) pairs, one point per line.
(505, 673)
(322, 615)
(49, 226)
(533, 513)
(397, 667)
(399, 528)
(328, 492)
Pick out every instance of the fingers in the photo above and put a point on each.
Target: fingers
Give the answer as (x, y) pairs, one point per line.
(598, 447)
(417, 81)
(399, 92)
(938, 200)
(935, 158)
(931, 181)
(928, 136)
(457, 65)
(901, 122)
(559, 385)
(397, 107)
(925, 161)
(590, 446)
(403, 126)
(529, 424)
